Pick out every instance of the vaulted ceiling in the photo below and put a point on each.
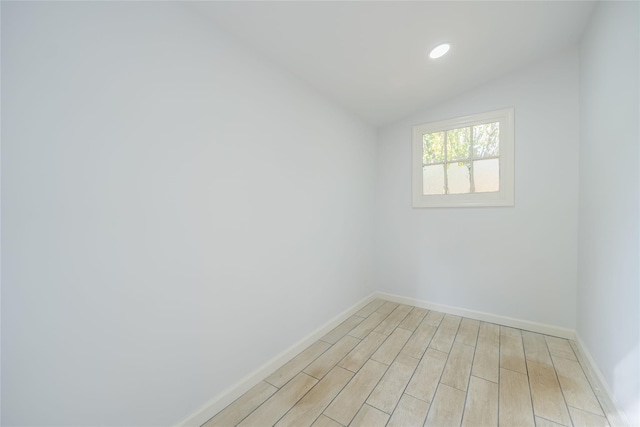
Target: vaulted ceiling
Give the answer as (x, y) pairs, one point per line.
(372, 56)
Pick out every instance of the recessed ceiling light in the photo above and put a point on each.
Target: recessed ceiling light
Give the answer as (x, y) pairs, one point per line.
(439, 50)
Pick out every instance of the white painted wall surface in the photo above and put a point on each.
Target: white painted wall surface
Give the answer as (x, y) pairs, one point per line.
(518, 262)
(176, 212)
(608, 302)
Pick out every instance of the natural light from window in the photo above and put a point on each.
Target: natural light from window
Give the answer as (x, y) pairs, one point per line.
(464, 162)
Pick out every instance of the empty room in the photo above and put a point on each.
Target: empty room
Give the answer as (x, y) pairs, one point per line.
(327, 213)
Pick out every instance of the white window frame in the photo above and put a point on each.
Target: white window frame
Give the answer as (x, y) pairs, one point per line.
(503, 197)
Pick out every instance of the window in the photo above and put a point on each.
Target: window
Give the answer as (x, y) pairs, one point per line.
(464, 162)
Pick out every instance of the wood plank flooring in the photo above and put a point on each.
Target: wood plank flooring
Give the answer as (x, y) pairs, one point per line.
(396, 365)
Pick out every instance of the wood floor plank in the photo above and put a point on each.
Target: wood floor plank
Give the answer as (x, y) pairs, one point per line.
(447, 407)
(446, 333)
(368, 325)
(278, 404)
(458, 368)
(481, 407)
(413, 320)
(342, 329)
(387, 393)
(507, 330)
(468, 332)
(511, 350)
(420, 340)
(575, 386)
(243, 406)
(392, 321)
(368, 309)
(331, 357)
(431, 369)
(345, 406)
(587, 419)
(425, 379)
(406, 308)
(317, 399)
(324, 421)
(410, 412)
(297, 364)
(486, 362)
(387, 307)
(368, 416)
(515, 400)
(535, 348)
(542, 422)
(548, 401)
(362, 352)
(610, 411)
(392, 346)
(434, 318)
(560, 347)
(489, 333)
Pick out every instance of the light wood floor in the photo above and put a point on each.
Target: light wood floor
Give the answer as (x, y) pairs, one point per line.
(397, 365)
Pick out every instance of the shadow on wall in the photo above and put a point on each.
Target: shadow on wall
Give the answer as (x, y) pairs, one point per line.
(626, 383)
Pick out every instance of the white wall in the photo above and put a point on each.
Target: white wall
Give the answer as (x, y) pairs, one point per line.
(175, 213)
(519, 261)
(608, 306)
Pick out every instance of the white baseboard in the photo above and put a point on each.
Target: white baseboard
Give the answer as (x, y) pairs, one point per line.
(222, 400)
(600, 386)
(485, 317)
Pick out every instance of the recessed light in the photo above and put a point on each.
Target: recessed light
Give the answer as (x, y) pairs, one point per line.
(439, 50)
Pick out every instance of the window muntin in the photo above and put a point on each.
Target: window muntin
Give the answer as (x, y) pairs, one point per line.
(466, 161)
(460, 148)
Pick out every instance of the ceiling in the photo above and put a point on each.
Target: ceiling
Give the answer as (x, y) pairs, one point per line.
(372, 56)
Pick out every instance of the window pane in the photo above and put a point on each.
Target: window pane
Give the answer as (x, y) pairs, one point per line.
(433, 148)
(486, 140)
(486, 175)
(433, 180)
(458, 178)
(458, 144)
